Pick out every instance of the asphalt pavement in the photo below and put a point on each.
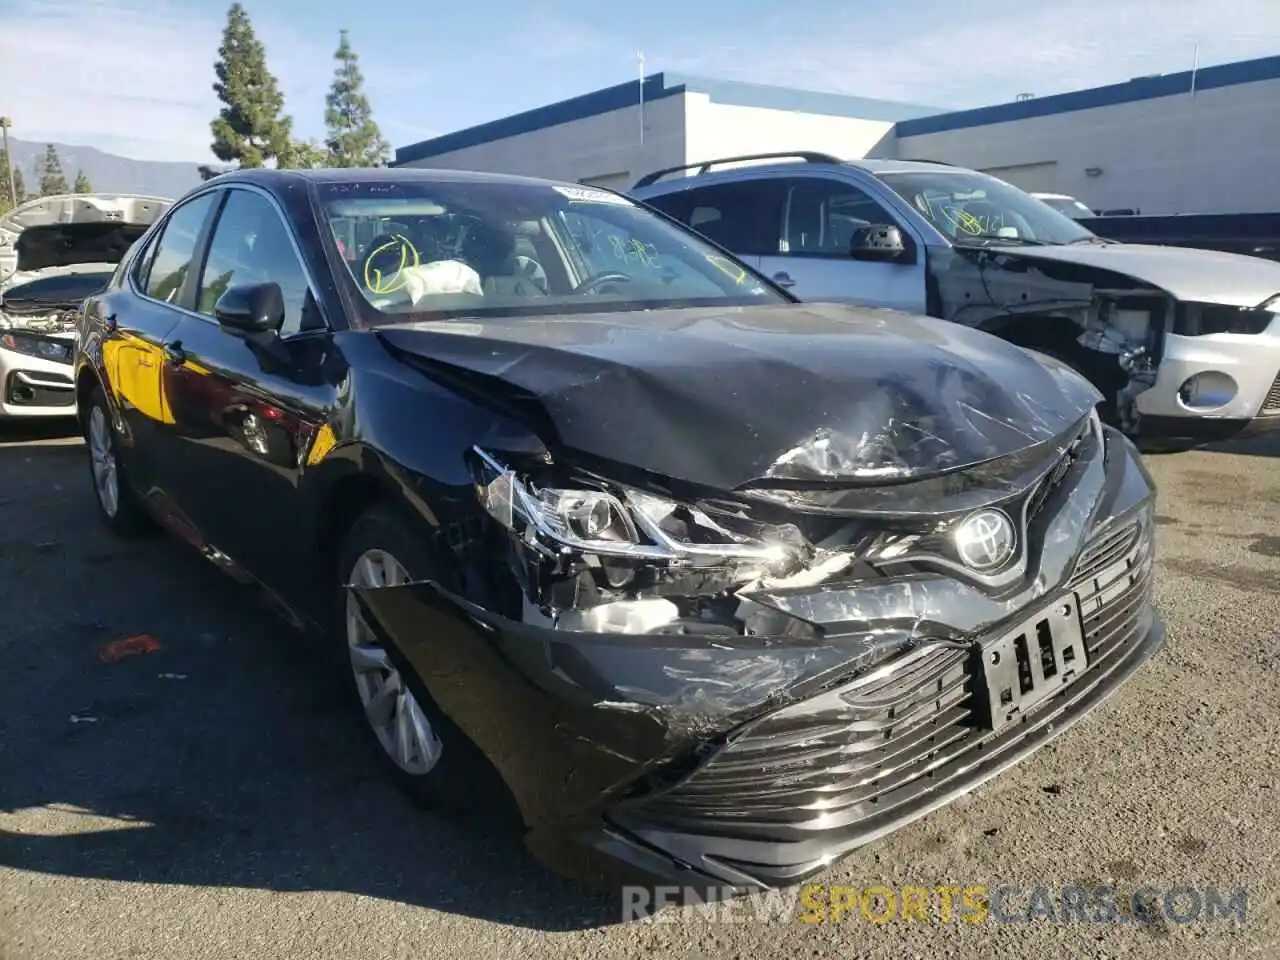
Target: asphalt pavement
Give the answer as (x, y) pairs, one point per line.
(176, 781)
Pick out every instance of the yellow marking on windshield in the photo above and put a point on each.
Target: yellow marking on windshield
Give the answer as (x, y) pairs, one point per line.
(733, 271)
(967, 222)
(378, 282)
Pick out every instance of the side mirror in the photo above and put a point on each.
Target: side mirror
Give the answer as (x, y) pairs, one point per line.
(877, 241)
(251, 308)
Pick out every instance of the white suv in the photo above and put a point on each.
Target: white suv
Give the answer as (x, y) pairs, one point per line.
(1184, 344)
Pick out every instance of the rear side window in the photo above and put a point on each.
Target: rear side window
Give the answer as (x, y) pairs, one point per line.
(738, 216)
(172, 260)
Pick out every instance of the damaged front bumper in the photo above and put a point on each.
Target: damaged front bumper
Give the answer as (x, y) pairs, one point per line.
(1215, 385)
(671, 753)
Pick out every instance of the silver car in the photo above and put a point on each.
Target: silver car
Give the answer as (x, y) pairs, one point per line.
(54, 252)
(1184, 344)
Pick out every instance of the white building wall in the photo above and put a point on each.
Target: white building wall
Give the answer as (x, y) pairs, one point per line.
(725, 130)
(604, 149)
(1214, 152)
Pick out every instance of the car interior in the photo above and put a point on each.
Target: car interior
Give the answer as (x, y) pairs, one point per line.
(428, 257)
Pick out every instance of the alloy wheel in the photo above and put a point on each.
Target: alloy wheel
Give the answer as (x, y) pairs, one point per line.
(106, 477)
(392, 710)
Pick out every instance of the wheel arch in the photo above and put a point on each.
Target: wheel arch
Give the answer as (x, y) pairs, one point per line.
(1033, 330)
(344, 498)
(87, 381)
(355, 480)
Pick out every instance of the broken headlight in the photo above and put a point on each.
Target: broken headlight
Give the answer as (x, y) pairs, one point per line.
(623, 522)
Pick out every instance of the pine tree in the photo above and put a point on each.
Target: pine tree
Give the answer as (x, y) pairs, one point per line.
(20, 187)
(305, 155)
(52, 179)
(251, 127)
(82, 184)
(354, 139)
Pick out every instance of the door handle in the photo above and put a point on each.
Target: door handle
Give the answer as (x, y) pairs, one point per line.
(783, 279)
(174, 353)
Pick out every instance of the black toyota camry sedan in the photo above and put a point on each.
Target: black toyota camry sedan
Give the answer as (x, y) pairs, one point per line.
(720, 584)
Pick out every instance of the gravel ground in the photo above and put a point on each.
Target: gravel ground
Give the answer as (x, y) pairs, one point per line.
(204, 799)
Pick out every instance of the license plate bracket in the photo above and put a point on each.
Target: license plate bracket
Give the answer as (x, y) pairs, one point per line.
(1032, 660)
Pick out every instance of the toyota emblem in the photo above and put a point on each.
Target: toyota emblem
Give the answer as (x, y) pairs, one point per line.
(986, 540)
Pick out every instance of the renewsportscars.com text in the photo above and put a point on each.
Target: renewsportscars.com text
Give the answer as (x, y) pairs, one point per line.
(944, 903)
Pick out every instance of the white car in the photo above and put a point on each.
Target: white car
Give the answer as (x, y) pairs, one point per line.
(1183, 344)
(1066, 205)
(54, 252)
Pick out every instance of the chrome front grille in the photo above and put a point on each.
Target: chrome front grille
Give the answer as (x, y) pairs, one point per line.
(859, 754)
(1113, 588)
(1271, 402)
(1104, 551)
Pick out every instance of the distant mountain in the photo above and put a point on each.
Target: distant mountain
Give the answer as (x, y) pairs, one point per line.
(107, 173)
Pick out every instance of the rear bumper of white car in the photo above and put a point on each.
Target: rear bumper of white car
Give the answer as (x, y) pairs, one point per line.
(1215, 385)
(34, 386)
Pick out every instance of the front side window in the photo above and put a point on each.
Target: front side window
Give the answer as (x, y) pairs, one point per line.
(822, 216)
(973, 208)
(607, 246)
(252, 245)
(168, 269)
(452, 248)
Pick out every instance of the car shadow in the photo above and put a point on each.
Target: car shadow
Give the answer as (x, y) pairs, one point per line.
(1259, 445)
(1262, 445)
(214, 748)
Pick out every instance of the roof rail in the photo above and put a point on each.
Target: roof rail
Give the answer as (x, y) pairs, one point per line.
(941, 163)
(704, 166)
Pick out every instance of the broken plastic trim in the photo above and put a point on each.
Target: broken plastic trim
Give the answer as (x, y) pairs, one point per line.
(627, 525)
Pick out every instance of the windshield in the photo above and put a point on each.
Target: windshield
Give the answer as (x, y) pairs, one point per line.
(473, 248)
(973, 208)
(1067, 206)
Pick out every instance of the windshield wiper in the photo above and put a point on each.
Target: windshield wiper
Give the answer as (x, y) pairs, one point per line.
(1022, 241)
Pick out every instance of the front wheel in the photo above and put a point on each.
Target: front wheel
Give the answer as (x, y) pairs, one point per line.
(422, 750)
(118, 504)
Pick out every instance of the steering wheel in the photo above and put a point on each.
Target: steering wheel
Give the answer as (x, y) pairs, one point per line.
(530, 269)
(600, 279)
(393, 250)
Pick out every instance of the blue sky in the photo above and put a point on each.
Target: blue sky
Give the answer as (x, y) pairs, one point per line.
(133, 77)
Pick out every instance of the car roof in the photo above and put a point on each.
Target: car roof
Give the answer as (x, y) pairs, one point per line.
(280, 179)
(874, 166)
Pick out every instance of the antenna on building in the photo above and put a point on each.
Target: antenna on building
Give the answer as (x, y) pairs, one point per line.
(640, 65)
(1195, 67)
(1024, 96)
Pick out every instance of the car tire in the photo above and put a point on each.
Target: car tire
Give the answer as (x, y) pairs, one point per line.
(118, 503)
(423, 752)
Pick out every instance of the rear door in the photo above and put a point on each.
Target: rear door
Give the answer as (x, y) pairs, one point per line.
(811, 247)
(244, 408)
(739, 215)
(140, 314)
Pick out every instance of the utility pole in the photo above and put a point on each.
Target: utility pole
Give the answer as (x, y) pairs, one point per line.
(5, 124)
(640, 64)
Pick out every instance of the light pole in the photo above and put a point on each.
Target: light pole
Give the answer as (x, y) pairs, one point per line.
(5, 124)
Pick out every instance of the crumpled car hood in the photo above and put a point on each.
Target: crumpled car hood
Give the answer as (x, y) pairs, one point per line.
(725, 397)
(69, 229)
(1202, 276)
